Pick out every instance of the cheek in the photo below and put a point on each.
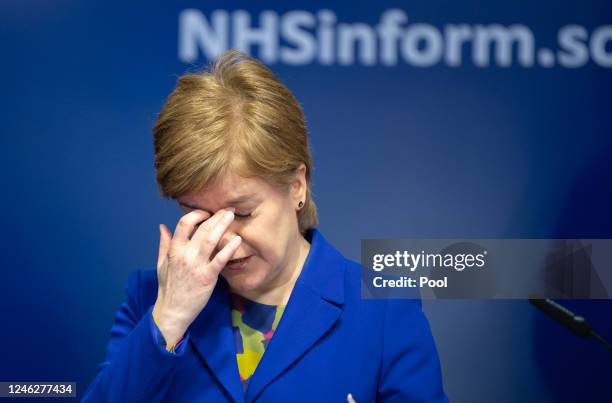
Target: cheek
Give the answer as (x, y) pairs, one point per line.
(269, 246)
(257, 240)
(266, 250)
(267, 235)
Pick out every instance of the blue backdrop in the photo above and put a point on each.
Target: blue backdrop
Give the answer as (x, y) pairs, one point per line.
(427, 119)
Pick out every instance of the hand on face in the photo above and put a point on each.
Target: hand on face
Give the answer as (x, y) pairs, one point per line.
(187, 272)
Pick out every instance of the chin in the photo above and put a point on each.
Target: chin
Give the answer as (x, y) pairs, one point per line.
(242, 281)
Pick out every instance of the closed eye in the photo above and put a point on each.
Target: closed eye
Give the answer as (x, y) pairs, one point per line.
(242, 216)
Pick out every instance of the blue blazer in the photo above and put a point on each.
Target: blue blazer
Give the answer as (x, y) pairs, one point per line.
(329, 342)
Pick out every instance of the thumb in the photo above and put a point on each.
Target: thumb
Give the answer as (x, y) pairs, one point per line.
(165, 237)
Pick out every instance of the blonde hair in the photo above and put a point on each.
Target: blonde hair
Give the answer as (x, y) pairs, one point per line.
(237, 116)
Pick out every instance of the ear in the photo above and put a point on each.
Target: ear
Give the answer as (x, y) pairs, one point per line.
(299, 186)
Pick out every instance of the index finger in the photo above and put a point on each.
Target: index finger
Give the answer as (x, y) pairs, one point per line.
(210, 233)
(187, 224)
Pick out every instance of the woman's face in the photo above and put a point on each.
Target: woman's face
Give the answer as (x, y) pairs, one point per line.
(266, 219)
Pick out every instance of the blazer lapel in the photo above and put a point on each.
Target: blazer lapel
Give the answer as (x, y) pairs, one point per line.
(212, 338)
(314, 307)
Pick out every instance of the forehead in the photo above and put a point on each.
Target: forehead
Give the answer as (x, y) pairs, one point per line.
(227, 189)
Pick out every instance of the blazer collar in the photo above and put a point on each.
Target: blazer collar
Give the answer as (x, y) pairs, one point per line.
(323, 270)
(315, 305)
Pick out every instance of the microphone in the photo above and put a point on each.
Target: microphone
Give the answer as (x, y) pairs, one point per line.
(577, 324)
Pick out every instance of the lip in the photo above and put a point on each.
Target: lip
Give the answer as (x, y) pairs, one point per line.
(239, 265)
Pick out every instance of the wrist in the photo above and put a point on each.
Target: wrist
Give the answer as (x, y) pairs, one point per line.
(172, 331)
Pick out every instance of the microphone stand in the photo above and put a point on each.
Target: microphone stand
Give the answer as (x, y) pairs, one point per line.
(577, 324)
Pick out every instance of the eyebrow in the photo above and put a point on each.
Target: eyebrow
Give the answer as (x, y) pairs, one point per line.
(235, 201)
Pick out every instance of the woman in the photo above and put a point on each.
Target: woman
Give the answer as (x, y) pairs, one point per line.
(246, 271)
